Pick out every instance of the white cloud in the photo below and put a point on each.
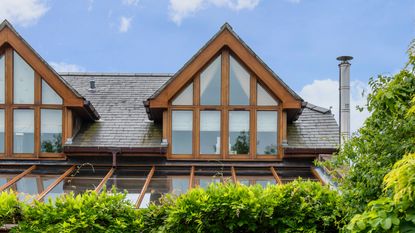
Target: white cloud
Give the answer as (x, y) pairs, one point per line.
(125, 24)
(90, 4)
(65, 67)
(22, 12)
(325, 93)
(130, 2)
(180, 9)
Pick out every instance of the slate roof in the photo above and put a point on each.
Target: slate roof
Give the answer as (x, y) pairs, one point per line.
(315, 128)
(124, 122)
(119, 101)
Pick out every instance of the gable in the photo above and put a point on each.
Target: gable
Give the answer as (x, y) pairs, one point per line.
(226, 38)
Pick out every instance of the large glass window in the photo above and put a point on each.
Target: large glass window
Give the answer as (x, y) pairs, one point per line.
(267, 130)
(239, 80)
(182, 132)
(239, 132)
(51, 130)
(23, 131)
(209, 132)
(23, 81)
(264, 98)
(210, 83)
(185, 97)
(2, 78)
(1, 130)
(49, 96)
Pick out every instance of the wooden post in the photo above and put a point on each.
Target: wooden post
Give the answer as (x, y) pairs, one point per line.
(143, 191)
(234, 175)
(104, 180)
(192, 177)
(275, 174)
(17, 178)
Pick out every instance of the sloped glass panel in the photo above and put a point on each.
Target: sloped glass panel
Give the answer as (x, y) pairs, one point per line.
(264, 98)
(239, 132)
(2, 77)
(1, 130)
(239, 84)
(210, 83)
(51, 130)
(23, 81)
(49, 96)
(267, 130)
(23, 131)
(185, 97)
(182, 128)
(210, 132)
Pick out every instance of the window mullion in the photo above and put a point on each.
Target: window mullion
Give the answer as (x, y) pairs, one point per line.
(37, 132)
(8, 118)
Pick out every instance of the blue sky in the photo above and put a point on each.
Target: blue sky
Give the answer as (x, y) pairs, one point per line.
(298, 39)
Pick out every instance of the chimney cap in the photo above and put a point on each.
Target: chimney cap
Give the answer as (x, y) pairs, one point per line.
(344, 58)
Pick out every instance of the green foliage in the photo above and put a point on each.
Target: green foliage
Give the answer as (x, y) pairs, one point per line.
(301, 206)
(10, 209)
(386, 136)
(241, 145)
(396, 211)
(89, 212)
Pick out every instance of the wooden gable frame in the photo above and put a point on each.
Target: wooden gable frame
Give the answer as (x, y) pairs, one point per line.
(225, 38)
(71, 98)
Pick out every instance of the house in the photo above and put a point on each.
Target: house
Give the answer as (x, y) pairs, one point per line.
(224, 116)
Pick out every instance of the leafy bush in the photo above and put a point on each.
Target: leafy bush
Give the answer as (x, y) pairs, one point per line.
(10, 208)
(300, 206)
(387, 135)
(396, 211)
(89, 212)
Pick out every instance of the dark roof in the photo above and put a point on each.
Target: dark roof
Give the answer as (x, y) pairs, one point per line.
(124, 123)
(119, 101)
(315, 128)
(228, 27)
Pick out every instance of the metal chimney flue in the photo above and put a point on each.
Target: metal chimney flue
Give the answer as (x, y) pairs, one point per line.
(344, 98)
(92, 87)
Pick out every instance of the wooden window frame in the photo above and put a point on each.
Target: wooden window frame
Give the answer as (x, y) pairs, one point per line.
(224, 108)
(9, 106)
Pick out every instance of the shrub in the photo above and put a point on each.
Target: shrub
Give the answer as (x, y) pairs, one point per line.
(396, 211)
(89, 212)
(301, 206)
(10, 208)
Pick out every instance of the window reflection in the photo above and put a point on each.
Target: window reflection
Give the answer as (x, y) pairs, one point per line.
(23, 81)
(51, 130)
(2, 78)
(267, 128)
(264, 98)
(239, 80)
(1, 130)
(239, 132)
(185, 97)
(210, 83)
(210, 132)
(182, 128)
(49, 96)
(23, 131)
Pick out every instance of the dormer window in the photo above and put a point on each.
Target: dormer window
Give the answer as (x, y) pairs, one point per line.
(224, 112)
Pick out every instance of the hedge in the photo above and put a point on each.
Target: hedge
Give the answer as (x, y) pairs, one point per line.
(300, 206)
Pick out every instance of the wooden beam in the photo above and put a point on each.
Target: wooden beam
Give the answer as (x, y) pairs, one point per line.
(275, 174)
(315, 174)
(56, 182)
(17, 178)
(104, 180)
(234, 175)
(143, 191)
(192, 177)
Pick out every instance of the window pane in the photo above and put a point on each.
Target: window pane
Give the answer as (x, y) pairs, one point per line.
(238, 132)
(210, 83)
(23, 82)
(182, 128)
(267, 128)
(23, 131)
(51, 130)
(210, 132)
(2, 77)
(185, 97)
(264, 98)
(49, 96)
(239, 84)
(1, 130)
